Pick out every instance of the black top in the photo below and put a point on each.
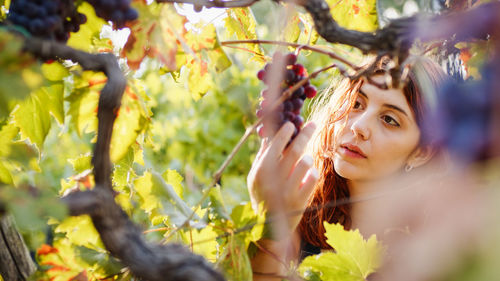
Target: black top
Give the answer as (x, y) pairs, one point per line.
(307, 249)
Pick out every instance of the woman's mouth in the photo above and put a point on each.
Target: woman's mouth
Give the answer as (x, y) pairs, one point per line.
(351, 150)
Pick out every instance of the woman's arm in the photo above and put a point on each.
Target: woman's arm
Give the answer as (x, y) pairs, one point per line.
(282, 179)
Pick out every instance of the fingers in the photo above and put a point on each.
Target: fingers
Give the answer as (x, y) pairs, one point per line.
(263, 146)
(280, 140)
(296, 148)
(309, 183)
(300, 170)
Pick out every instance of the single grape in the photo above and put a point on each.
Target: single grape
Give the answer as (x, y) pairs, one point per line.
(290, 59)
(310, 91)
(261, 74)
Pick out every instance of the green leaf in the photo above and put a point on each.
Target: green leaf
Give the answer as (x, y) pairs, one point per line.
(54, 71)
(81, 163)
(80, 231)
(236, 261)
(7, 134)
(173, 178)
(354, 258)
(83, 102)
(131, 121)
(53, 96)
(89, 32)
(203, 241)
(199, 79)
(154, 34)
(159, 198)
(244, 216)
(98, 261)
(355, 14)
(5, 176)
(241, 22)
(17, 70)
(33, 118)
(292, 29)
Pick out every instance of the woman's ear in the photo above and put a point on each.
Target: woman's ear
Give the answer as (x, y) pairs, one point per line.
(420, 156)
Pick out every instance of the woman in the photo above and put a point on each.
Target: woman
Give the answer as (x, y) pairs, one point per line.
(365, 135)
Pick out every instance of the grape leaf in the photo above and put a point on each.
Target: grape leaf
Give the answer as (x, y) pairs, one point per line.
(17, 70)
(131, 120)
(89, 34)
(241, 22)
(158, 199)
(7, 134)
(354, 258)
(203, 241)
(5, 176)
(33, 118)
(54, 71)
(83, 101)
(244, 216)
(154, 34)
(174, 179)
(355, 14)
(292, 29)
(80, 231)
(81, 163)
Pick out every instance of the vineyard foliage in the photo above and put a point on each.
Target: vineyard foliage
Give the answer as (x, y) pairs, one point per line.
(188, 100)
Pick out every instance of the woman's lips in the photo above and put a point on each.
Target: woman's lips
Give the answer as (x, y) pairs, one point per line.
(352, 151)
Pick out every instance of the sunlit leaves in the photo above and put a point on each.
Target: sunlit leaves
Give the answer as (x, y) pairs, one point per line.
(132, 117)
(33, 118)
(160, 201)
(154, 34)
(131, 121)
(353, 260)
(241, 23)
(79, 231)
(18, 73)
(83, 101)
(88, 37)
(358, 15)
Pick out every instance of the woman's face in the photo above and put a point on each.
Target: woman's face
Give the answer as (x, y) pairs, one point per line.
(378, 137)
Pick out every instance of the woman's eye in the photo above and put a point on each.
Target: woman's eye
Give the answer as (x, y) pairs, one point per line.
(389, 120)
(356, 105)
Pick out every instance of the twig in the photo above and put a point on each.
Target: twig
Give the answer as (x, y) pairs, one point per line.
(156, 230)
(302, 46)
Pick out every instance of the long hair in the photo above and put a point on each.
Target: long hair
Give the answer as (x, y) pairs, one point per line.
(424, 77)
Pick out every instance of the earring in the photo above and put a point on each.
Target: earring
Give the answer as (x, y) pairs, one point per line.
(408, 168)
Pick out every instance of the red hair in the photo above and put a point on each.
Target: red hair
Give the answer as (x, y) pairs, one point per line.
(330, 199)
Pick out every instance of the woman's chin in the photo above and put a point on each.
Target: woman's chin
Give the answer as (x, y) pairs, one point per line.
(346, 169)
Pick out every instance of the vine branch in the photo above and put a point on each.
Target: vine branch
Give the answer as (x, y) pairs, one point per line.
(289, 44)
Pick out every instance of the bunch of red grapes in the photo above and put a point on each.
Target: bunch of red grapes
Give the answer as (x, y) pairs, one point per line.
(289, 110)
(55, 19)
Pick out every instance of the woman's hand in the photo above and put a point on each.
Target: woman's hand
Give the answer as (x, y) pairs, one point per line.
(281, 178)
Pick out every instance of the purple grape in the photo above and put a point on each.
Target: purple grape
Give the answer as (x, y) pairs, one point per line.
(297, 104)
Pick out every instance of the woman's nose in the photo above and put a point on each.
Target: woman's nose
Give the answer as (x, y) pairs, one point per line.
(360, 126)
